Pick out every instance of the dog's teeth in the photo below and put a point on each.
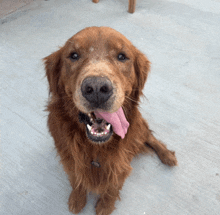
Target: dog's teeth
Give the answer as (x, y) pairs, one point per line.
(92, 132)
(90, 117)
(108, 126)
(89, 127)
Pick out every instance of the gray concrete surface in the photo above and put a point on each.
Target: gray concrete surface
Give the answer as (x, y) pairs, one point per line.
(9, 7)
(182, 40)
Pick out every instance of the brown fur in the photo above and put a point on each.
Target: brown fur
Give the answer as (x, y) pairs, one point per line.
(98, 46)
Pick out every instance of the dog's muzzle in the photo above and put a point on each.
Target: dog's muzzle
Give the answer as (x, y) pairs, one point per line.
(96, 90)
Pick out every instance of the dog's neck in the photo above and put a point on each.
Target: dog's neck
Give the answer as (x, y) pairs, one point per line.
(96, 163)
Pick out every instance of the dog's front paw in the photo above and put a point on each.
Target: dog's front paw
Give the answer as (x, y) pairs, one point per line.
(77, 202)
(104, 208)
(168, 157)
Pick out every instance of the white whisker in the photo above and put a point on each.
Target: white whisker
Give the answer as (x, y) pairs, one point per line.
(131, 99)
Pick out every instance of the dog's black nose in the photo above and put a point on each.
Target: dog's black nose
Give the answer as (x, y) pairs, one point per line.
(97, 90)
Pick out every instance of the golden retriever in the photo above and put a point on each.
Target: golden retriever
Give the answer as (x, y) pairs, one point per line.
(95, 83)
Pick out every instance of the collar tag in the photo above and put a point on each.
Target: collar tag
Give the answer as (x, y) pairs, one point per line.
(96, 164)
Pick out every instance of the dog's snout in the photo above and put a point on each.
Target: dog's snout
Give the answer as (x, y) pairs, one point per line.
(97, 90)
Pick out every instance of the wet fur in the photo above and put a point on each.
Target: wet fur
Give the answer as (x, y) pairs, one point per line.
(77, 152)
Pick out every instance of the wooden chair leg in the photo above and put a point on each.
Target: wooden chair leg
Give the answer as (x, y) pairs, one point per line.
(95, 1)
(131, 7)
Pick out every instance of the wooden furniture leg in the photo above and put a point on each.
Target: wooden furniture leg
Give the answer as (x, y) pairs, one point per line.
(131, 7)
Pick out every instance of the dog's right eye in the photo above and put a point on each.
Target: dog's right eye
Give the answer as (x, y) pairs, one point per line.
(74, 56)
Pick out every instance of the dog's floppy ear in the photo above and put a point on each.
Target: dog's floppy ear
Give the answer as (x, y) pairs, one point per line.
(53, 69)
(142, 69)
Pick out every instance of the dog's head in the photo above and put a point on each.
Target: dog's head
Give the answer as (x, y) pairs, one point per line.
(101, 71)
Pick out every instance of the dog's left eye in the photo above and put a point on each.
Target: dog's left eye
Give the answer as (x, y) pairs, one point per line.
(122, 57)
(74, 56)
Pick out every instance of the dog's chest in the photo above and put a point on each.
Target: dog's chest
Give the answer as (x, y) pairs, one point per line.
(105, 169)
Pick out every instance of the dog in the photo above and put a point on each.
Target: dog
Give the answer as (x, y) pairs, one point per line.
(95, 83)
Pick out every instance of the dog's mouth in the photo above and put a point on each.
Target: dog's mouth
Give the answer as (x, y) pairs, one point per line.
(100, 125)
(97, 130)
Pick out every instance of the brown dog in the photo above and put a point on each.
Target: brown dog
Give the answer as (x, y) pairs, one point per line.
(95, 81)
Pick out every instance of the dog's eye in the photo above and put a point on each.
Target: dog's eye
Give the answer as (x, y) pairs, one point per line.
(74, 56)
(122, 57)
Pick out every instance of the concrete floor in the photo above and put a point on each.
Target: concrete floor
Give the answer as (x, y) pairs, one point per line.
(9, 8)
(182, 40)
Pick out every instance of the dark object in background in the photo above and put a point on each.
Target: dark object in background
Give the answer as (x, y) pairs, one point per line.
(131, 7)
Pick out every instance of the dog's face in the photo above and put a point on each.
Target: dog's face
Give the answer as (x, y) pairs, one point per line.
(99, 69)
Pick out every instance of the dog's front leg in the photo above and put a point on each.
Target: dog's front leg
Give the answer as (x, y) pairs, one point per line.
(77, 199)
(106, 202)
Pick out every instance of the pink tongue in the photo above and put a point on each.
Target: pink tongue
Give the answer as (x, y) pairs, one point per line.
(117, 120)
